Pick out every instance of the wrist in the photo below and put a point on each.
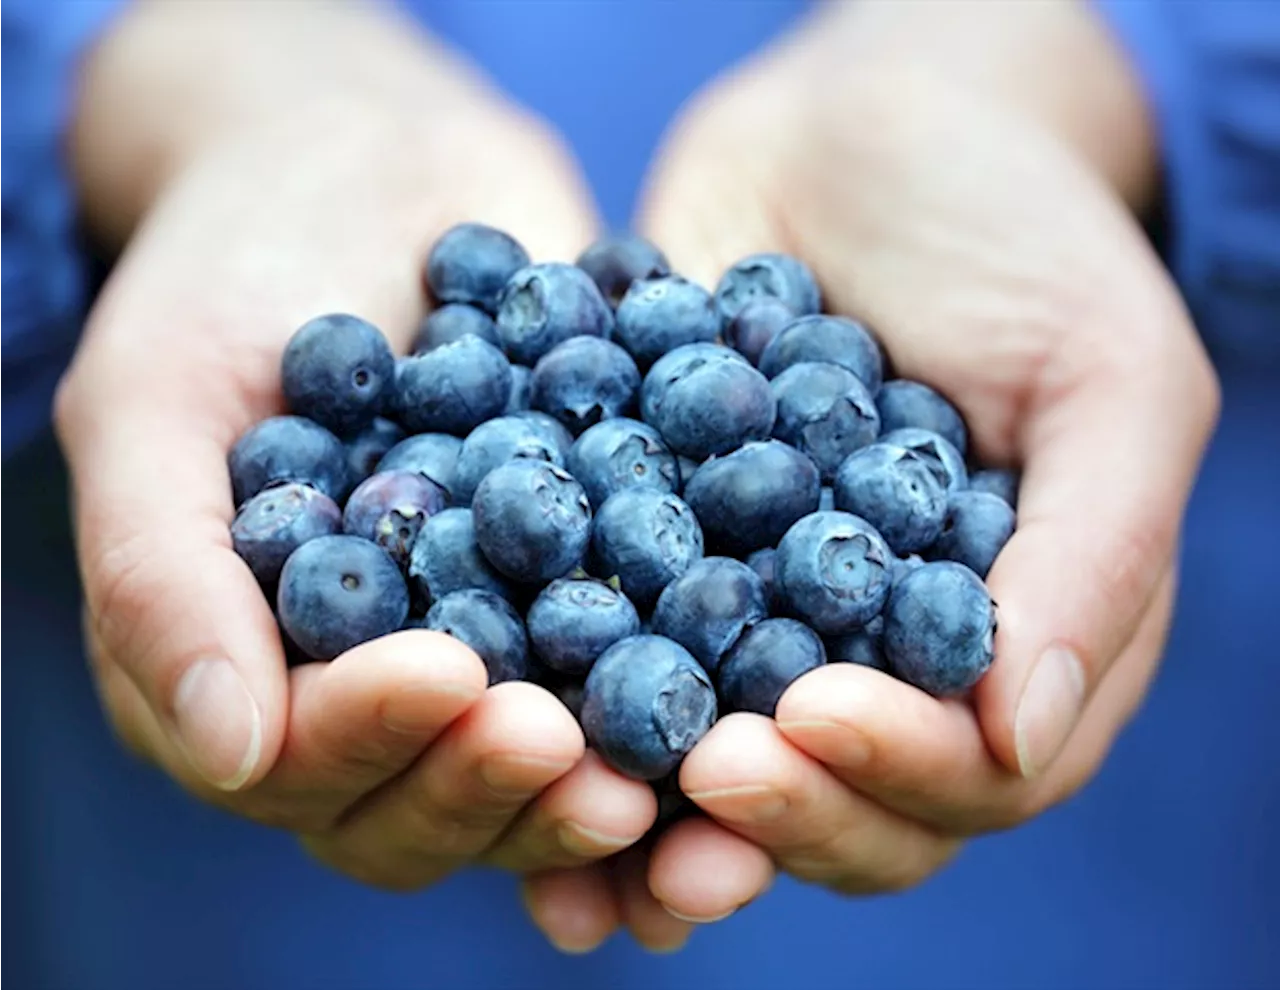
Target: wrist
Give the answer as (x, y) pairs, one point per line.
(172, 85)
(1053, 63)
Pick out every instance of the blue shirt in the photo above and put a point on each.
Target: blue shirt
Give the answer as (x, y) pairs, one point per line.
(1163, 873)
(1211, 69)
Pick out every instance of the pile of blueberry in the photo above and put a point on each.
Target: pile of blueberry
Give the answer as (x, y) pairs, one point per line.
(659, 502)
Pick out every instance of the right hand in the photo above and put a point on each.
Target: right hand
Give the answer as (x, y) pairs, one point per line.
(393, 763)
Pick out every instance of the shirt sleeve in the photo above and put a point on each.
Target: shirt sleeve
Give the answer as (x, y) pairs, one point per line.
(44, 270)
(1211, 70)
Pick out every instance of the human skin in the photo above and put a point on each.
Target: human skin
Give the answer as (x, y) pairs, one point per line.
(238, 155)
(987, 152)
(962, 176)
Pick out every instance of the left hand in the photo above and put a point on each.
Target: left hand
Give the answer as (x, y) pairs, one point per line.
(979, 228)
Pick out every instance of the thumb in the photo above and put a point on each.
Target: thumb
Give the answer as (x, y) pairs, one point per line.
(171, 604)
(1109, 464)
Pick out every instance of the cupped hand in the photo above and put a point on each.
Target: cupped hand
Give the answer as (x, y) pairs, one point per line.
(984, 244)
(393, 763)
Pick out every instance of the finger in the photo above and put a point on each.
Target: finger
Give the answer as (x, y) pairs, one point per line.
(362, 719)
(463, 793)
(1110, 458)
(574, 908)
(589, 813)
(650, 924)
(746, 775)
(928, 760)
(168, 600)
(701, 872)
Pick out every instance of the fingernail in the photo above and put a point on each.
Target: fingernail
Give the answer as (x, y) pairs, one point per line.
(697, 921)
(751, 804)
(842, 745)
(583, 841)
(216, 723)
(1049, 709)
(415, 710)
(511, 776)
(665, 949)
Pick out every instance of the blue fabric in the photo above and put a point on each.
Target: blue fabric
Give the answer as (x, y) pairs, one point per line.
(1163, 873)
(1212, 74)
(43, 271)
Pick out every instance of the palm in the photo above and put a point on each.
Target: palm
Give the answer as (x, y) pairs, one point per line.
(994, 265)
(974, 246)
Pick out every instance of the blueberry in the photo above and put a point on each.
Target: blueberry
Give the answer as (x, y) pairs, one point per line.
(996, 481)
(824, 411)
(756, 324)
(446, 558)
(451, 322)
(894, 489)
(764, 562)
(662, 314)
(338, 371)
(671, 368)
(471, 263)
(939, 628)
(570, 696)
(521, 389)
(827, 499)
(645, 704)
(615, 261)
(768, 276)
(902, 566)
(904, 403)
(646, 538)
(575, 620)
(584, 381)
(489, 625)
(748, 499)
(337, 592)
(832, 339)
(943, 459)
(977, 526)
(551, 426)
(712, 407)
(687, 467)
(863, 646)
(275, 522)
(389, 509)
(764, 662)
(288, 448)
(432, 455)
(834, 571)
(707, 608)
(544, 305)
(454, 388)
(367, 448)
(293, 655)
(496, 442)
(618, 454)
(673, 804)
(533, 521)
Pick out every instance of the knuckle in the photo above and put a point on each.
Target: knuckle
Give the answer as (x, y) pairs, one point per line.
(996, 815)
(456, 823)
(1135, 559)
(1204, 389)
(66, 407)
(121, 584)
(384, 873)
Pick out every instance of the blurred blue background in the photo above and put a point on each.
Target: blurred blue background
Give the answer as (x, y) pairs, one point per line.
(1164, 873)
